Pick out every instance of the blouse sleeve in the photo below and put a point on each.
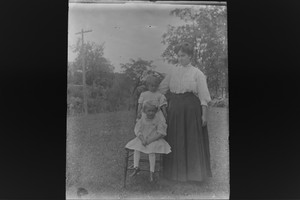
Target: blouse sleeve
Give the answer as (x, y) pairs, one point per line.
(137, 128)
(141, 98)
(162, 100)
(202, 88)
(162, 128)
(164, 86)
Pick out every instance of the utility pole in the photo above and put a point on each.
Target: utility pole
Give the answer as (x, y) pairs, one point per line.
(83, 70)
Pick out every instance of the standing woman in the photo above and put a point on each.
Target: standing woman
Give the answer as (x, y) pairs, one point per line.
(187, 120)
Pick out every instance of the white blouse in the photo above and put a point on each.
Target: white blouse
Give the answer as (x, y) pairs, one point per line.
(186, 79)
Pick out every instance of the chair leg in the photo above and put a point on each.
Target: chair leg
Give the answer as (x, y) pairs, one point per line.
(161, 166)
(125, 167)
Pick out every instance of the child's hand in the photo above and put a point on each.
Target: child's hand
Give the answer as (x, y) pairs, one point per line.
(144, 142)
(164, 111)
(153, 139)
(141, 137)
(165, 115)
(139, 115)
(147, 141)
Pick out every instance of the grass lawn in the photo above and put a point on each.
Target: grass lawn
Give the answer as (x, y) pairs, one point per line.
(95, 160)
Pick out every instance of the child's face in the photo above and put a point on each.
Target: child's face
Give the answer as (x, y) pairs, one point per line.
(152, 87)
(150, 112)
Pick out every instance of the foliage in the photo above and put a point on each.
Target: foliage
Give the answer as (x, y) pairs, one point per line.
(136, 72)
(75, 91)
(98, 68)
(74, 105)
(219, 102)
(205, 28)
(99, 74)
(119, 93)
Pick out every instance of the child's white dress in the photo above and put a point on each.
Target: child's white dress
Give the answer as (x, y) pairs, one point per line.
(149, 128)
(155, 97)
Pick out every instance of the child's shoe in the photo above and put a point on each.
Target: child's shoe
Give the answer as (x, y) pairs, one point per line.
(151, 177)
(135, 171)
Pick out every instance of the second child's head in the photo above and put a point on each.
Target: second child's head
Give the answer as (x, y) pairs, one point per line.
(150, 109)
(152, 83)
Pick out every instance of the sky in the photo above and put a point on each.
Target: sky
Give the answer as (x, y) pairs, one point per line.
(129, 31)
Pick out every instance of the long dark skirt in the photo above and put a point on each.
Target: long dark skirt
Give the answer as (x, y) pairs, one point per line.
(190, 156)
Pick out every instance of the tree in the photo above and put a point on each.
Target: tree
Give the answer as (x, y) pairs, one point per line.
(135, 70)
(119, 93)
(97, 66)
(205, 28)
(99, 71)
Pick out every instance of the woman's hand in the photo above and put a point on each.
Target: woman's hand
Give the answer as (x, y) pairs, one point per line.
(204, 116)
(204, 120)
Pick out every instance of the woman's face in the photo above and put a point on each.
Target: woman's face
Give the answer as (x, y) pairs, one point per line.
(183, 58)
(150, 112)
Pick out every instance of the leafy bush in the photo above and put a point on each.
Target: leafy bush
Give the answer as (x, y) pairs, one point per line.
(75, 91)
(75, 105)
(219, 102)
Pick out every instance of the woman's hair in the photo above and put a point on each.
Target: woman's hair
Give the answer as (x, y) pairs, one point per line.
(185, 47)
(149, 104)
(152, 80)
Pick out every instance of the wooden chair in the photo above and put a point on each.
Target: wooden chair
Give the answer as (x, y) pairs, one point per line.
(128, 166)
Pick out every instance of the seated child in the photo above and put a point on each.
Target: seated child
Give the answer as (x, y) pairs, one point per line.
(149, 131)
(154, 95)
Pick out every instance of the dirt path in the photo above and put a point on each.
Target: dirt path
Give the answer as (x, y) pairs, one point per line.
(95, 156)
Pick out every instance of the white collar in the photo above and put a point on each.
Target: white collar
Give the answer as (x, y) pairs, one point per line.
(187, 66)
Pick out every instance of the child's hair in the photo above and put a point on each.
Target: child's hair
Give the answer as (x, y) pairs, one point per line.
(152, 80)
(149, 104)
